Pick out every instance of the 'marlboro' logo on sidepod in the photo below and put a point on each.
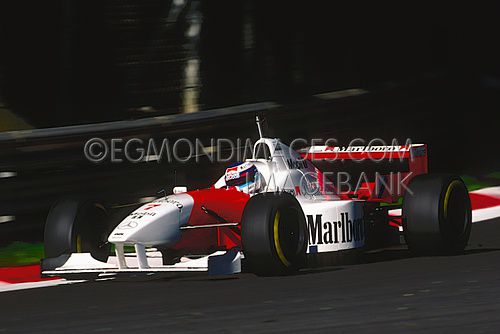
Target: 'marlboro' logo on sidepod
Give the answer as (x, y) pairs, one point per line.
(341, 231)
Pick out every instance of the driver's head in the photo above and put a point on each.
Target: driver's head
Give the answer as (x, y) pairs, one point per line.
(244, 176)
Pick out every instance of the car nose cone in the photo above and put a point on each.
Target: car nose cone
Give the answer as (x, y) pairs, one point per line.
(155, 223)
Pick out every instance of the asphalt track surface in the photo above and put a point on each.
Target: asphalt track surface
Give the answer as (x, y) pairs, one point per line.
(390, 292)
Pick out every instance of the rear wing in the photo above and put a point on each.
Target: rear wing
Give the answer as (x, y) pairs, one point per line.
(396, 164)
(415, 154)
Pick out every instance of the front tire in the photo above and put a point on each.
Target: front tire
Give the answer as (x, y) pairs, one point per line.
(76, 226)
(274, 234)
(437, 217)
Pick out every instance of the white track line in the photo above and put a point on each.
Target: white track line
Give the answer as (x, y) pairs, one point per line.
(4, 287)
(485, 214)
(479, 215)
(491, 191)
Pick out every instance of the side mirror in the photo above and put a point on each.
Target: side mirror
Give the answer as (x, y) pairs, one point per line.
(179, 190)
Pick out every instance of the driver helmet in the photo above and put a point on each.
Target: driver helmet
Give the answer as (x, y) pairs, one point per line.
(243, 176)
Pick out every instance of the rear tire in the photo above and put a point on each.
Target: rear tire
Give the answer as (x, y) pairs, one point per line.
(274, 234)
(437, 218)
(76, 226)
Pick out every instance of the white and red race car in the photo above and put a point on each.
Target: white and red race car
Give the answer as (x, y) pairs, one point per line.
(275, 213)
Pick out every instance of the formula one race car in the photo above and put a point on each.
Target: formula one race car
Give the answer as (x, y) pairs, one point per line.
(275, 213)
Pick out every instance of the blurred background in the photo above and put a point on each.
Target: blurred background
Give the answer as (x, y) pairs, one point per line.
(116, 68)
(72, 62)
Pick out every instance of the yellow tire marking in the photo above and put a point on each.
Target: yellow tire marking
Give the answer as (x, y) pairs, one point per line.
(281, 256)
(447, 196)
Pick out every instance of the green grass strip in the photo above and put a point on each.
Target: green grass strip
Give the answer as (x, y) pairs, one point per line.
(24, 253)
(473, 183)
(495, 175)
(21, 253)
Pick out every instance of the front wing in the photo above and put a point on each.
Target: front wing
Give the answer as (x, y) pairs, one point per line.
(81, 264)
